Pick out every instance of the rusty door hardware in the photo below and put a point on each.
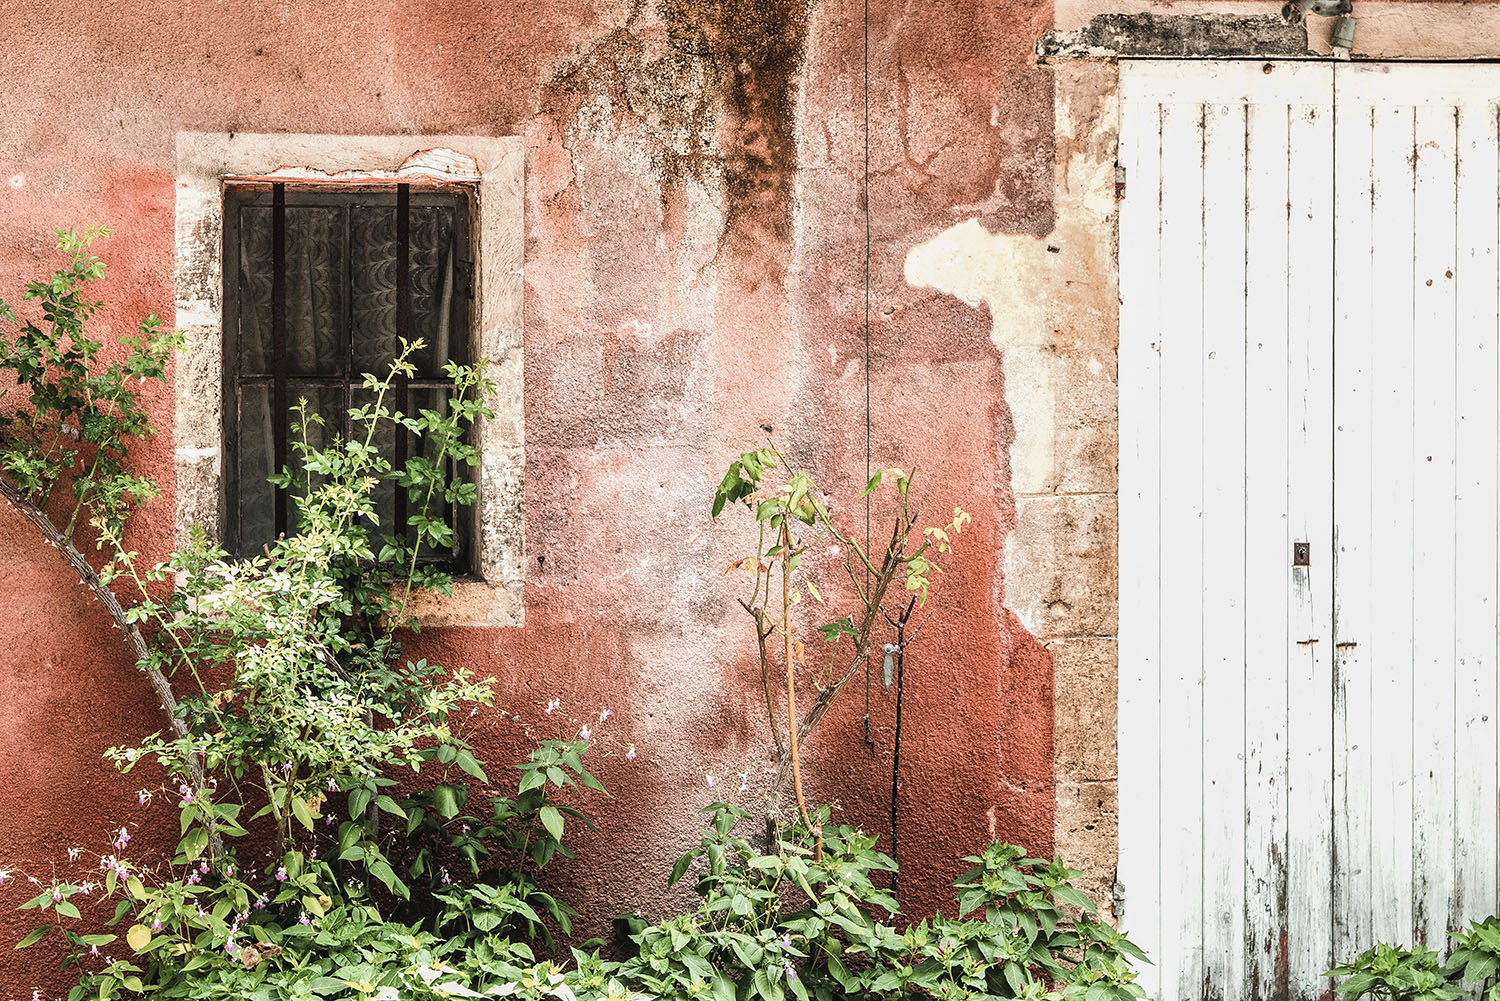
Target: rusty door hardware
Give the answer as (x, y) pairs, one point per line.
(1301, 554)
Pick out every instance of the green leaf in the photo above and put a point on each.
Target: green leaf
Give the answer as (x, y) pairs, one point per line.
(193, 843)
(466, 761)
(34, 937)
(138, 937)
(67, 910)
(552, 821)
(300, 811)
(445, 800)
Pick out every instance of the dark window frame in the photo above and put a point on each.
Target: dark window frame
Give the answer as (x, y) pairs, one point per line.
(463, 311)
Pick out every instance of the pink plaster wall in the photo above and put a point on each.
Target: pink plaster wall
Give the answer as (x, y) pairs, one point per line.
(694, 269)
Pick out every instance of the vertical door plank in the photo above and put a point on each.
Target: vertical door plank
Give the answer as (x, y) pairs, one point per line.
(1223, 597)
(1477, 304)
(1140, 488)
(1433, 489)
(1391, 522)
(1182, 550)
(1267, 550)
(1309, 691)
(1355, 455)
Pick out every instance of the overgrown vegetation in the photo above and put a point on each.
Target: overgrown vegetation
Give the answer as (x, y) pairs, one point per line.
(383, 862)
(1394, 973)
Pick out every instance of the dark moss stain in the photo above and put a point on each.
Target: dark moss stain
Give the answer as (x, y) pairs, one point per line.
(664, 96)
(722, 103)
(757, 48)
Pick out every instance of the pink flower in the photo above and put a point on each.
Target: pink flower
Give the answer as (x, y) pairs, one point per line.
(709, 780)
(554, 704)
(73, 854)
(332, 785)
(122, 839)
(744, 781)
(605, 714)
(57, 894)
(4, 876)
(303, 919)
(281, 874)
(630, 753)
(144, 796)
(585, 733)
(156, 924)
(203, 867)
(87, 888)
(193, 879)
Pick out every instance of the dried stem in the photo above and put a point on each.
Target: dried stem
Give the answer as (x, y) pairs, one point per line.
(791, 685)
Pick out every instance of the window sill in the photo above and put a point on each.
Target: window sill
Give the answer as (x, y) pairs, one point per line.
(473, 603)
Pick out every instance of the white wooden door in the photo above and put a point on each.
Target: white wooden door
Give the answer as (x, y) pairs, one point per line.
(1308, 633)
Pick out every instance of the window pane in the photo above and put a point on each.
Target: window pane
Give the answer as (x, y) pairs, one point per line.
(314, 290)
(384, 494)
(327, 402)
(435, 400)
(257, 498)
(372, 239)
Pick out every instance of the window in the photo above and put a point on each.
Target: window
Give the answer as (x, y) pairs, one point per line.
(322, 284)
(339, 303)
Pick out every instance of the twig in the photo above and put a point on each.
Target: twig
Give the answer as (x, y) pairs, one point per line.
(791, 686)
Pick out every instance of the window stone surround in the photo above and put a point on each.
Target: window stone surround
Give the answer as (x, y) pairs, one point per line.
(206, 161)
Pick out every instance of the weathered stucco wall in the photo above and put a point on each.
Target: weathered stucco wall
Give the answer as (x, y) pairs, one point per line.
(693, 270)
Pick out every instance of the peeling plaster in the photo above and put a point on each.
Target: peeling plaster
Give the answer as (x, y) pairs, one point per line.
(1053, 309)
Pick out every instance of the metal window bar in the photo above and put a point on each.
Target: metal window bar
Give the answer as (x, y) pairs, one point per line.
(278, 346)
(403, 337)
(279, 376)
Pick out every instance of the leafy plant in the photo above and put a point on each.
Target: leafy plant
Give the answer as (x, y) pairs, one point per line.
(1396, 974)
(299, 700)
(792, 922)
(1476, 956)
(795, 518)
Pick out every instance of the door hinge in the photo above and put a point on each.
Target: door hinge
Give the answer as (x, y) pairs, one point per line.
(1117, 893)
(1119, 181)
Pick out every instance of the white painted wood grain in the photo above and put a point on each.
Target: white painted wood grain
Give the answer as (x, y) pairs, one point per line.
(1362, 416)
(1391, 519)
(1140, 490)
(1267, 549)
(1433, 463)
(1356, 458)
(1476, 513)
(1309, 691)
(1223, 596)
(1182, 558)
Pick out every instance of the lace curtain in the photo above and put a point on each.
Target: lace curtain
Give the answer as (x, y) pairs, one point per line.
(338, 327)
